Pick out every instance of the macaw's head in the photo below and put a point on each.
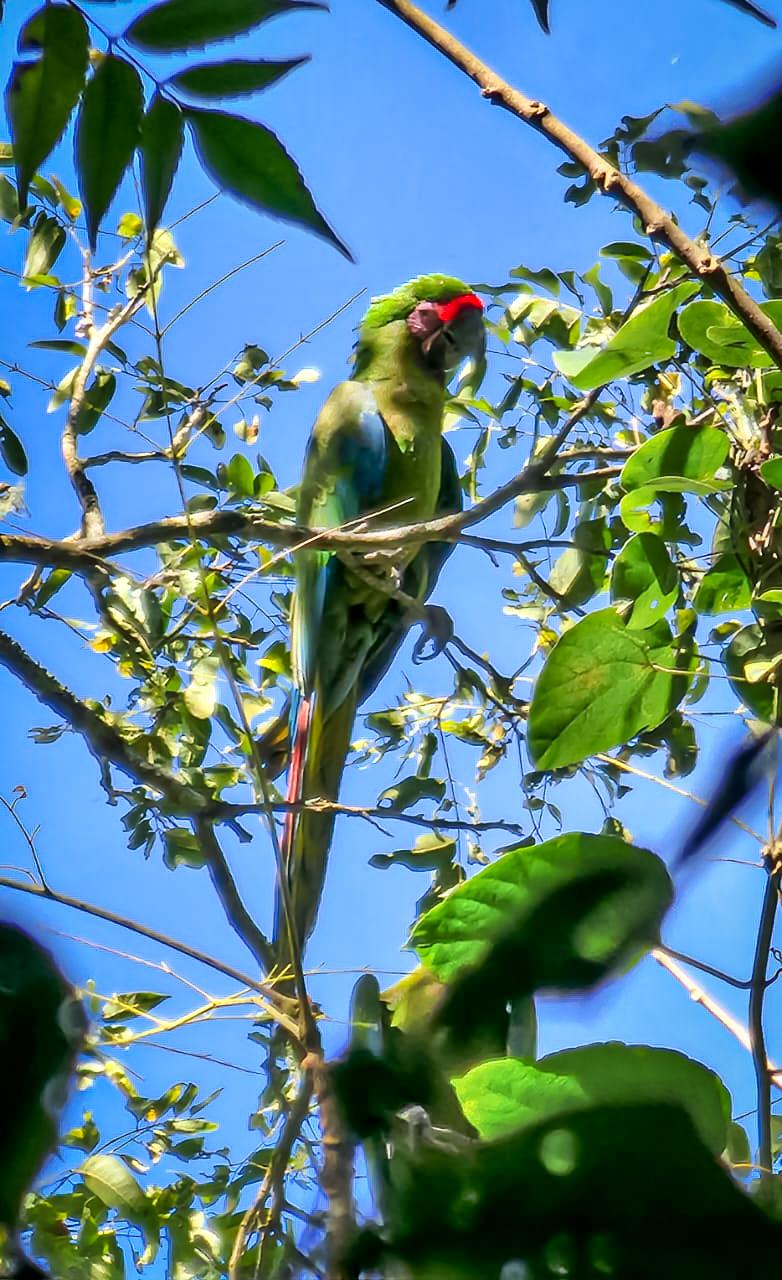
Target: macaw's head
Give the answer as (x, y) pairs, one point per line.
(443, 316)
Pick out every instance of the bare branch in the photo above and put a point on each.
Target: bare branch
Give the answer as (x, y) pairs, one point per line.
(657, 224)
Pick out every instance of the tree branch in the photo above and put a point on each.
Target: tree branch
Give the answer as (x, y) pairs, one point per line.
(282, 1005)
(658, 225)
(225, 887)
(103, 740)
(757, 1035)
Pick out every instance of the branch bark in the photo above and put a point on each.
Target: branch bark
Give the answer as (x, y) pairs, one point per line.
(658, 225)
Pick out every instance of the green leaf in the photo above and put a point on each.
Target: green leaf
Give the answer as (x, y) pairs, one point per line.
(9, 200)
(183, 849)
(693, 452)
(601, 685)
(579, 572)
(12, 449)
(753, 660)
(506, 1095)
(162, 137)
(247, 160)
(97, 399)
(115, 1186)
(177, 25)
(403, 795)
(711, 328)
(615, 1191)
(641, 341)
(47, 241)
(68, 345)
(234, 78)
(771, 472)
(633, 507)
(724, 588)
(556, 915)
(644, 573)
(107, 132)
(201, 694)
(41, 95)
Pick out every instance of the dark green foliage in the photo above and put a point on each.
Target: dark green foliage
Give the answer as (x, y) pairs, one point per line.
(41, 1026)
(249, 161)
(107, 133)
(177, 25)
(41, 93)
(162, 137)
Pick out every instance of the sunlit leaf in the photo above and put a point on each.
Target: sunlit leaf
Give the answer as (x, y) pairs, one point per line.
(506, 1095)
(47, 241)
(642, 340)
(711, 327)
(600, 899)
(644, 573)
(602, 684)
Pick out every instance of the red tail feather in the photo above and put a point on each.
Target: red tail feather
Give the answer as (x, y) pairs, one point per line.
(296, 772)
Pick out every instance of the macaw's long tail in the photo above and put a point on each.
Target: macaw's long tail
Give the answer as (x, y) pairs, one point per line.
(320, 747)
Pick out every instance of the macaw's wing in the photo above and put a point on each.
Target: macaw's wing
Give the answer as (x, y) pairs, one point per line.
(344, 477)
(419, 581)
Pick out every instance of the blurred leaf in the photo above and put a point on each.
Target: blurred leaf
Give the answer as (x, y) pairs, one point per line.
(753, 10)
(556, 915)
(591, 1187)
(541, 13)
(233, 79)
(182, 849)
(41, 95)
(201, 693)
(506, 1095)
(771, 472)
(42, 1027)
(748, 145)
(107, 133)
(753, 661)
(177, 25)
(47, 241)
(753, 763)
(247, 160)
(644, 573)
(9, 200)
(12, 449)
(115, 1186)
(601, 685)
(162, 136)
(641, 341)
(711, 328)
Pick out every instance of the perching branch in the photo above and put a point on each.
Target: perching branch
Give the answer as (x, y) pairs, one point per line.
(658, 225)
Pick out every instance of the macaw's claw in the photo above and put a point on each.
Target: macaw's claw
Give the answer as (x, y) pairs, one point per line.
(436, 631)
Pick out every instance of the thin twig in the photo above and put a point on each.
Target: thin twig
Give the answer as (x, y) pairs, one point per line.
(756, 1032)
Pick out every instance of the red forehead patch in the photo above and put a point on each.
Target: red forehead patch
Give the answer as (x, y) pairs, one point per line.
(448, 311)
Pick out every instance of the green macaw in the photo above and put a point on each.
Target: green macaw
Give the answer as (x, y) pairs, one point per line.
(377, 448)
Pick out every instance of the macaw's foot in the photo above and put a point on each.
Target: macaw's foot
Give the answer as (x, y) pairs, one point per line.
(436, 631)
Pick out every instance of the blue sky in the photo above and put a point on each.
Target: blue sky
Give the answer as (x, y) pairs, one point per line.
(417, 173)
